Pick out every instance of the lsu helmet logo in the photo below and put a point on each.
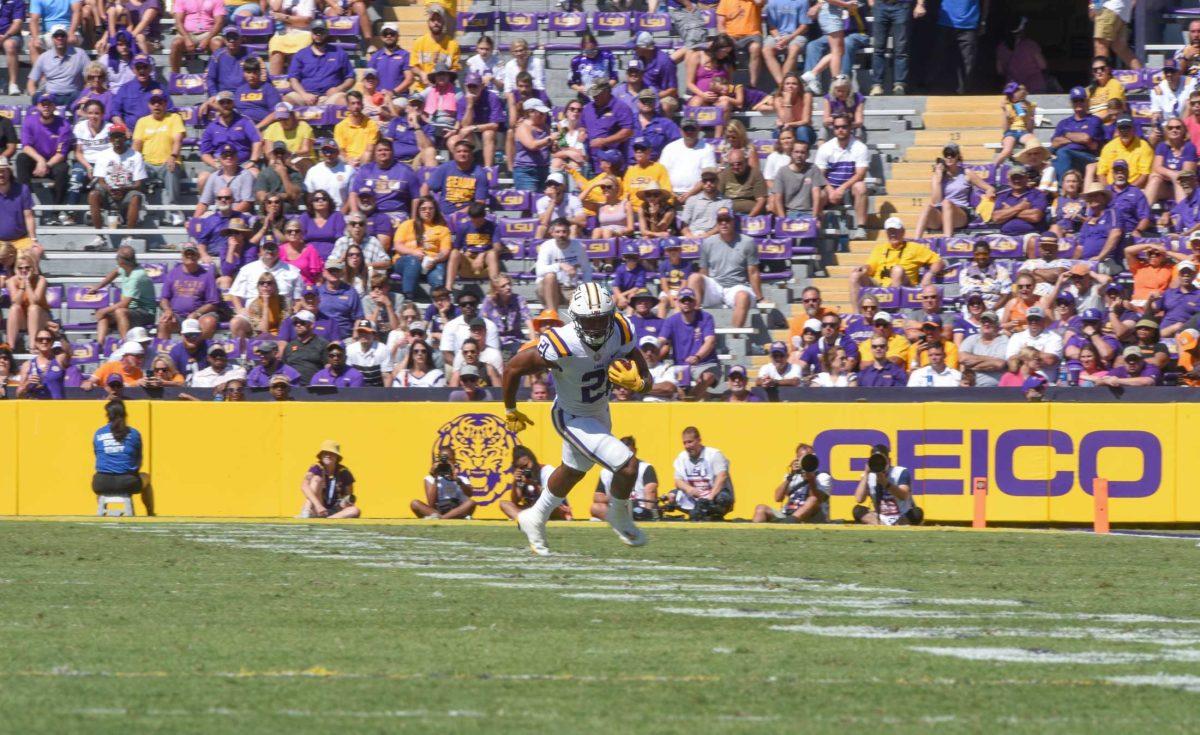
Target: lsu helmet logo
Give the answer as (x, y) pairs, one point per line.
(483, 449)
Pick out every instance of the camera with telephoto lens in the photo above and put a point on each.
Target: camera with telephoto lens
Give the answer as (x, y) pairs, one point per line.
(809, 463)
(877, 462)
(443, 468)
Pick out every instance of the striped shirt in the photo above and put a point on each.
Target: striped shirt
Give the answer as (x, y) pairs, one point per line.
(839, 163)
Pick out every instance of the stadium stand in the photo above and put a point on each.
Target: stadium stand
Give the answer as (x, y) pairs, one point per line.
(899, 137)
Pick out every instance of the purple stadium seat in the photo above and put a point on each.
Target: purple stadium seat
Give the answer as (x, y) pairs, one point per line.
(314, 115)
(1134, 80)
(73, 376)
(517, 229)
(797, 228)
(493, 175)
(705, 117)
(254, 342)
(157, 271)
(652, 22)
(512, 200)
(764, 148)
(572, 23)
(648, 249)
(397, 218)
(958, 246)
(1004, 246)
(54, 297)
(344, 32)
(476, 22)
(602, 248)
(256, 26)
(87, 351)
(12, 112)
(1141, 109)
(690, 249)
(710, 18)
(232, 346)
(910, 297)
(520, 22)
(757, 226)
(456, 221)
(110, 346)
(280, 83)
(186, 84)
(888, 298)
(79, 298)
(613, 23)
(775, 257)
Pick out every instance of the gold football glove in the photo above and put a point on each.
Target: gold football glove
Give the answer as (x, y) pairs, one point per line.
(515, 421)
(626, 375)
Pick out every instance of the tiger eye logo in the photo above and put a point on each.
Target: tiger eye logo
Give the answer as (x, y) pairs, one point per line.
(483, 448)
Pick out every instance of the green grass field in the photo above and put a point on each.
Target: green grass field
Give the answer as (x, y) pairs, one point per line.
(442, 627)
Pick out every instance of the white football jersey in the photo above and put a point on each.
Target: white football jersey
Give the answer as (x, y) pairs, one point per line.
(581, 374)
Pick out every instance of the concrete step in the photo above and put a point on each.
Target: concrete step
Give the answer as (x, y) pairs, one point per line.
(973, 117)
(962, 137)
(915, 187)
(915, 170)
(964, 103)
(839, 271)
(928, 153)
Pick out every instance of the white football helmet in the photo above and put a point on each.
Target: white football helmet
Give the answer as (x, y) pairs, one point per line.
(592, 308)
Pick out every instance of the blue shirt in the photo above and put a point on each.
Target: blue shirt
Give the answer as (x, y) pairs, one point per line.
(1093, 235)
(961, 14)
(132, 101)
(115, 457)
(812, 353)
(474, 240)
(1175, 160)
(890, 375)
(1131, 207)
(240, 133)
(256, 104)
(1090, 124)
(224, 73)
(1179, 305)
(189, 363)
(404, 138)
(319, 73)
(259, 377)
(625, 279)
(390, 66)
(395, 187)
(455, 188)
(786, 16)
(1186, 213)
(685, 339)
(660, 72)
(342, 305)
(52, 13)
(644, 326)
(348, 378)
(658, 132)
(488, 108)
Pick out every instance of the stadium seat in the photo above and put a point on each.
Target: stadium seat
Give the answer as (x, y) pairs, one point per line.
(477, 22)
(756, 226)
(573, 24)
(612, 23)
(512, 200)
(114, 506)
(959, 246)
(652, 23)
(887, 298)
(705, 117)
(601, 248)
(517, 229)
(775, 259)
(797, 228)
(186, 84)
(648, 249)
(1004, 246)
(85, 352)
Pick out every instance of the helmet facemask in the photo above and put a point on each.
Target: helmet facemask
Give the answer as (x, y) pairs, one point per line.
(594, 330)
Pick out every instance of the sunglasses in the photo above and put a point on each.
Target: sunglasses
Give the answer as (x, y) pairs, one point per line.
(1099, 68)
(1174, 127)
(320, 199)
(43, 340)
(466, 304)
(96, 76)
(811, 301)
(420, 352)
(831, 325)
(574, 109)
(161, 370)
(266, 283)
(291, 232)
(274, 201)
(1023, 287)
(879, 347)
(224, 199)
(925, 297)
(24, 269)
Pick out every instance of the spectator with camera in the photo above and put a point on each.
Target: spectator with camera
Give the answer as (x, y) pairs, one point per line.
(329, 486)
(703, 486)
(890, 490)
(447, 491)
(804, 492)
(644, 495)
(530, 480)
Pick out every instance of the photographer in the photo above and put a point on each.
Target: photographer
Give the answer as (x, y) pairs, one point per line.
(645, 489)
(703, 487)
(529, 481)
(447, 491)
(804, 492)
(328, 485)
(891, 493)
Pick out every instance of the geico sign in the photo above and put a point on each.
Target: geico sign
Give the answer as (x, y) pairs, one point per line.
(992, 456)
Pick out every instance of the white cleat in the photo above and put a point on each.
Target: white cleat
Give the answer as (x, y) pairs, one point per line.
(620, 517)
(534, 530)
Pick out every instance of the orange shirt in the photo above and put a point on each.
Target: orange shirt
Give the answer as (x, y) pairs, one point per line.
(742, 17)
(796, 325)
(1148, 278)
(129, 375)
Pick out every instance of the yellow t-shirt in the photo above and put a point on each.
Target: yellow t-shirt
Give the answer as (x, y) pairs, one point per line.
(355, 139)
(637, 178)
(293, 138)
(1139, 156)
(595, 196)
(898, 346)
(1098, 100)
(922, 358)
(426, 53)
(436, 240)
(158, 136)
(912, 257)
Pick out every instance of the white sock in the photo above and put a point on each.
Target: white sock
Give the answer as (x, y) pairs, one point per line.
(545, 504)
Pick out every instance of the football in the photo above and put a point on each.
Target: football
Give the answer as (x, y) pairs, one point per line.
(623, 364)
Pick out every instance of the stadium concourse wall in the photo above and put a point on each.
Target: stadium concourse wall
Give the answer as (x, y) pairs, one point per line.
(247, 459)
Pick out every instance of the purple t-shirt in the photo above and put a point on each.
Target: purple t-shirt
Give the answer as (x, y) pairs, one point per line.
(47, 138)
(343, 306)
(676, 275)
(489, 108)
(475, 240)
(256, 103)
(1147, 371)
(239, 133)
(138, 9)
(189, 363)
(1016, 225)
(812, 353)
(857, 328)
(1090, 124)
(685, 339)
(625, 279)
(395, 187)
(1093, 235)
(13, 206)
(391, 66)
(323, 327)
(322, 237)
(1179, 306)
(186, 292)
(660, 71)
(605, 121)
(1131, 207)
(650, 325)
(260, 377)
(1079, 340)
(319, 73)
(456, 189)
(349, 378)
(1175, 160)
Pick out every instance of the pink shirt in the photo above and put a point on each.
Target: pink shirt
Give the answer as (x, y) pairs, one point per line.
(309, 262)
(199, 16)
(436, 101)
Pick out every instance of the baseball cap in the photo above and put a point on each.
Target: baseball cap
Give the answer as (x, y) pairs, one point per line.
(533, 103)
(364, 325)
(598, 87)
(989, 316)
(933, 320)
(117, 129)
(435, 9)
(231, 30)
(215, 348)
(388, 29)
(365, 191)
(647, 94)
(333, 265)
(880, 316)
(468, 371)
(278, 379)
(1078, 93)
(318, 24)
(642, 293)
(614, 157)
(644, 40)
(709, 174)
(557, 178)
(689, 123)
(778, 347)
(132, 348)
(1132, 351)
(371, 72)
(266, 348)
(686, 293)
(635, 65)
(1124, 122)
(1170, 64)
(737, 371)
(1065, 297)
(893, 223)
(1033, 382)
(190, 246)
(672, 243)
(1186, 265)
(724, 214)
(283, 108)
(640, 142)
(417, 326)
(279, 147)
(356, 217)
(58, 29)
(1121, 163)
(473, 79)
(190, 326)
(115, 379)
(227, 150)
(41, 97)
(304, 315)
(1113, 287)
(630, 250)
(648, 340)
(157, 94)
(1035, 312)
(142, 60)
(477, 322)
(225, 96)
(812, 325)
(1092, 315)
(974, 297)
(1147, 323)
(329, 144)
(1018, 170)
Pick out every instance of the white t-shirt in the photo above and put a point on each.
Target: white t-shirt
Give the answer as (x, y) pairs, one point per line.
(684, 164)
(888, 507)
(1123, 8)
(700, 473)
(489, 356)
(448, 490)
(927, 377)
(1048, 342)
(433, 379)
(481, 66)
(93, 144)
(825, 380)
(287, 278)
(536, 68)
(645, 476)
(569, 207)
(663, 372)
(456, 332)
(210, 378)
(119, 171)
(334, 180)
(792, 370)
(775, 161)
(550, 259)
(798, 491)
